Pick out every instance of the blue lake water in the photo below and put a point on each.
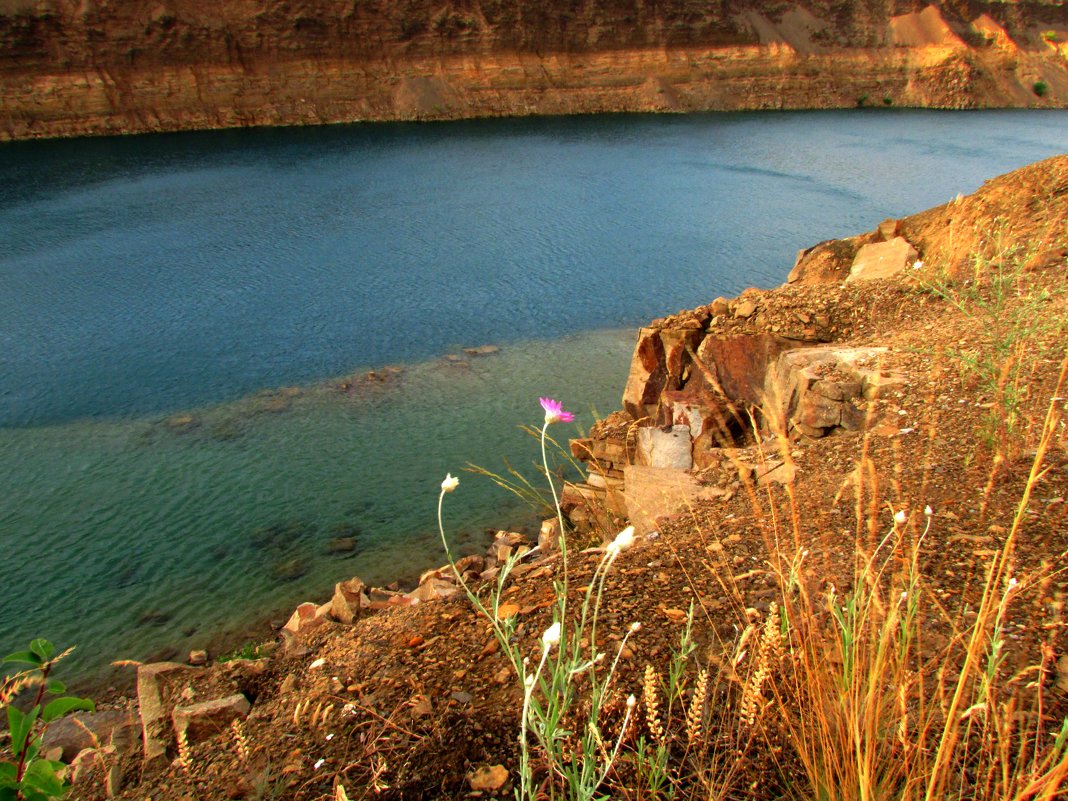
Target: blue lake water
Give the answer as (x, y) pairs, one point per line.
(177, 313)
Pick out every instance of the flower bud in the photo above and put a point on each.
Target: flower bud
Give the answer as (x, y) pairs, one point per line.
(623, 540)
(551, 636)
(450, 483)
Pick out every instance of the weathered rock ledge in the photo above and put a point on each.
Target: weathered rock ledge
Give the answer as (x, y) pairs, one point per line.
(705, 384)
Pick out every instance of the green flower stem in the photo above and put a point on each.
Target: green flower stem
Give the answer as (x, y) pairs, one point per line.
(529, 683)
(559, 511)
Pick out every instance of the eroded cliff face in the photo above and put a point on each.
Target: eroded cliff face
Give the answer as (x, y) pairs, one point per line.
(70, 67)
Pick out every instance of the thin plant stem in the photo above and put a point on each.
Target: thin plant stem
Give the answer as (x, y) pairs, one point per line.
(559, 512)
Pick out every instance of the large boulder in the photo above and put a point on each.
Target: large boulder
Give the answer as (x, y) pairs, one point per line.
(434, 588)
(350, 599)
(882, 260)
(818, 391)
(153, 683)
(665, 447)
(826, 263)
(198, 722)
(648, 373)
(733, 367)
(307, 616)
(111, 727)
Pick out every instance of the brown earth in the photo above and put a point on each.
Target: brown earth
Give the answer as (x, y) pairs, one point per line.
(73, 67)
(410, 702)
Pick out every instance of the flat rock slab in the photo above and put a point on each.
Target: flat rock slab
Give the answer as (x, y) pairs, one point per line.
(665, 448)
(882, 260)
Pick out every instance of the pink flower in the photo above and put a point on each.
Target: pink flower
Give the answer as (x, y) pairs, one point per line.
(554, 411)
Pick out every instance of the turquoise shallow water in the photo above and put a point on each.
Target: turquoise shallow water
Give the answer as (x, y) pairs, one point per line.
(176, 531)
(145, 279)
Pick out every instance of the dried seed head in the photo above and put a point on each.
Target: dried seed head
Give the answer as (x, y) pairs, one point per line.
(652, 703)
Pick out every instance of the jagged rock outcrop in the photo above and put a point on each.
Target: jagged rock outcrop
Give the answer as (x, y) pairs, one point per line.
(705, 384)
(70, 67)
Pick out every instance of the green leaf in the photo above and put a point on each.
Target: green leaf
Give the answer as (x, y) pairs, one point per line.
(56, 687)
(61, 706)
(23, 657)
(20, 725)
(43, 648)
(7, 775)
(40, 776)
(7, 794)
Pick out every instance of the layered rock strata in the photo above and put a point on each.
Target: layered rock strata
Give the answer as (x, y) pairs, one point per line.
(100, 66)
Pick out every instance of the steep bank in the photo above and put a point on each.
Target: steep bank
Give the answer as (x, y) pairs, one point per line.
(883, 435)
(96, 67)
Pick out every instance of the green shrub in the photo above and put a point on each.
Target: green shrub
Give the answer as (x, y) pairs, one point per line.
(30, 777)
(1040, 88)
(250, 650)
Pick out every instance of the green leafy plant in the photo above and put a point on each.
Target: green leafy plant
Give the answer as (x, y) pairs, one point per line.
(250, 650)
(28, 776)
(1040, 88)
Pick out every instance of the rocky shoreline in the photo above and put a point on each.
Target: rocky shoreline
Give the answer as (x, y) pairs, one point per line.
(691, 435)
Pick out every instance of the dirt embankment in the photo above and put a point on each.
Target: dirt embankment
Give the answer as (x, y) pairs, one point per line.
(71, 67)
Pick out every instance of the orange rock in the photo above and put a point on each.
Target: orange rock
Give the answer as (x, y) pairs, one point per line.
(507, 610)
(488, 777)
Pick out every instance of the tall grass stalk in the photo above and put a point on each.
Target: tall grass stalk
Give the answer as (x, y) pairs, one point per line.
(875, 707)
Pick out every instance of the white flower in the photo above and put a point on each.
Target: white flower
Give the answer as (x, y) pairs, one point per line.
(551, 636)
(319, 764)
(918, 265)
(631, 701)
(899, 516)
(635, 627)
(927, 510)
(623, 540)
(450, 483)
